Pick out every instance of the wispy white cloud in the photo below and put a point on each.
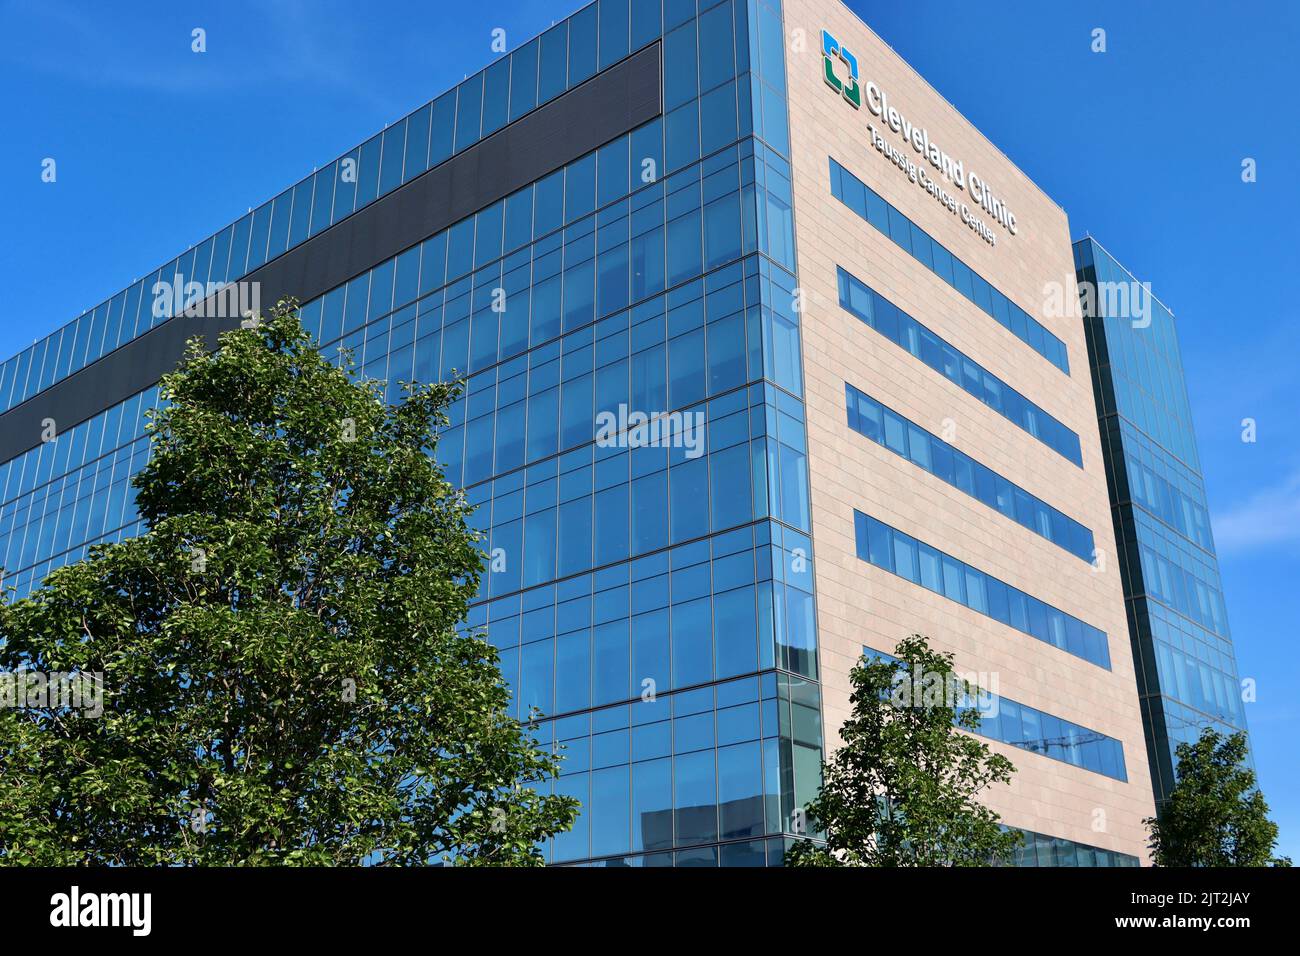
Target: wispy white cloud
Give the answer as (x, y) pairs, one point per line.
(1269, 517)
(289, 43)
(92, 48)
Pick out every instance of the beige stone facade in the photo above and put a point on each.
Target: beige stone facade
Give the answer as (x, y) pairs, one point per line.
(862, 605)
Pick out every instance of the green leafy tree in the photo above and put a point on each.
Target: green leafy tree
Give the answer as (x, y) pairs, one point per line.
(901, 790)
(1215, 815)
(285, 678)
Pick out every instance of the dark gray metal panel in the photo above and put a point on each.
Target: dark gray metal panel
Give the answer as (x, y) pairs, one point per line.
(605, 107)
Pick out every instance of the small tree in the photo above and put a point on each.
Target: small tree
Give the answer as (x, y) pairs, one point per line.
(284, 677)
(901, 790)
(1215, 815)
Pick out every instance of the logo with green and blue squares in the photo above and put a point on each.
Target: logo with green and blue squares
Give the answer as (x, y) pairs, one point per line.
(833, 50)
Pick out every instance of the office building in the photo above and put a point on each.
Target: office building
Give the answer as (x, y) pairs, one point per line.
(751, 219)
(1182, 647)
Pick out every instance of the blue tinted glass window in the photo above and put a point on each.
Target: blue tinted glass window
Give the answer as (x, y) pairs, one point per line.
(646, 16)
(554, 70)
(682, 136)
(717, 44)
(772, 52)
(523, 79)
(460, 249)
(880, 546)
(877, 210)
(921, 244)
(888, 320)
(278, 233)
(417, 144)
(900, 229)
(848, 189)
(894, 551)
(322, 202)
(905, 558)
(297, 224)
(469, 112)
(680, 73)
(259, 238)
(442, 133)
(548, 210)
(580, 188)
(406, 282)
(345, 187)
(433, 263)
(381, 289)
(394, 154)
(677, 12)
(895, 433)
(582, 45)
(958, 469)
(718, 128)
(487, 234)
(367, 171)
(496, 96)
(614, 31)
(519, 219)
(612, 171)
(954, 583)
(358, 297)
(1011, 722)
(961, 277)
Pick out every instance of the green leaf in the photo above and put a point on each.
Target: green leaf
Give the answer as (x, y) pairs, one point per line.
(328, 555)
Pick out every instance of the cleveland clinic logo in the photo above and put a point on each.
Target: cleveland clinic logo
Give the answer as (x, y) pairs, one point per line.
(832, 51)
(915, 135)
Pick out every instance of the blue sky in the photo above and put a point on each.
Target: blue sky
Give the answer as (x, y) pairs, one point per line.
(157, 147)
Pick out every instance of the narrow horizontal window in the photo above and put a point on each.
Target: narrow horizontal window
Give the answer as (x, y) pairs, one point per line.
(893, 323)
(860, 197)
(958, 469)
(1019, 725)
(892, 550)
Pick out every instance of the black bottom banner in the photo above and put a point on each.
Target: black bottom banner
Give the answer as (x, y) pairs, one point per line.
(335, 906)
